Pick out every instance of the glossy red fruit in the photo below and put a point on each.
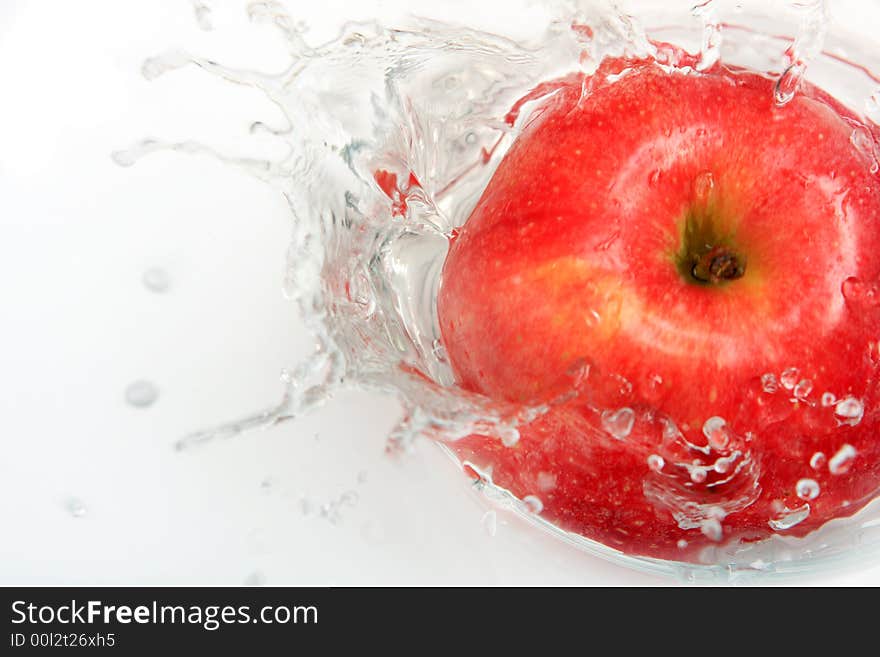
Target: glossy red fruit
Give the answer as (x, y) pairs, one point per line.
(690, 274)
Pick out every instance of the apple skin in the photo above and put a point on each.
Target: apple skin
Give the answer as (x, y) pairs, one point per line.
(579, 281)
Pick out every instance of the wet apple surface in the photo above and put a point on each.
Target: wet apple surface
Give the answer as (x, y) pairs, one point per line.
(686, 272)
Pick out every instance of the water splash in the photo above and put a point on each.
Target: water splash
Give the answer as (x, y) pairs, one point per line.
(806, 47)
(391, 135)
(710, 46)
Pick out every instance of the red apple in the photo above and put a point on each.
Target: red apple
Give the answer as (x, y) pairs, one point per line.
(689, 275)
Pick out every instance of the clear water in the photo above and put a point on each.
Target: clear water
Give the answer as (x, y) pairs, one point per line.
(392, 133)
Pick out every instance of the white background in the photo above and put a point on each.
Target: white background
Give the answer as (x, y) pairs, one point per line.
(78, 326)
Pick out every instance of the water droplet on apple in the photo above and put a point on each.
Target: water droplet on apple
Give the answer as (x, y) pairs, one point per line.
(619, 423)
(712, 529)
(817, 460)
(849, 410)
(704, 183)
(715, 430)
(654, 178)
(698, 474)
(769, 384)
(546, 481)
(789, 378)
(656, 462)
(533, 504)
(828, 399)
(681, 544)
(624, 387)
(725, 463)
(841, 462)
(807, 489)
(860, 295)
(788, 518)
(490, 522)
(788, 83)
(509, 435)
(803, 389)
(864, 143)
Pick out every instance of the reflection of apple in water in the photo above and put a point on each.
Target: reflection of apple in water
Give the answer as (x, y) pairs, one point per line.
(702, 268)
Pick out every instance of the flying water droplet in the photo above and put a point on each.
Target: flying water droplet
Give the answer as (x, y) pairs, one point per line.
(533, 504)
(256, 578)
(141, 394)
(849, 410)
(619, 423)
(807, 489)
(841, 462)
(156, 280)
(76, 508)
(788, 518)
(490, 522)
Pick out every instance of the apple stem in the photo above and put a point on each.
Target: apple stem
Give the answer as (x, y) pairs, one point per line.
(719, 264)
